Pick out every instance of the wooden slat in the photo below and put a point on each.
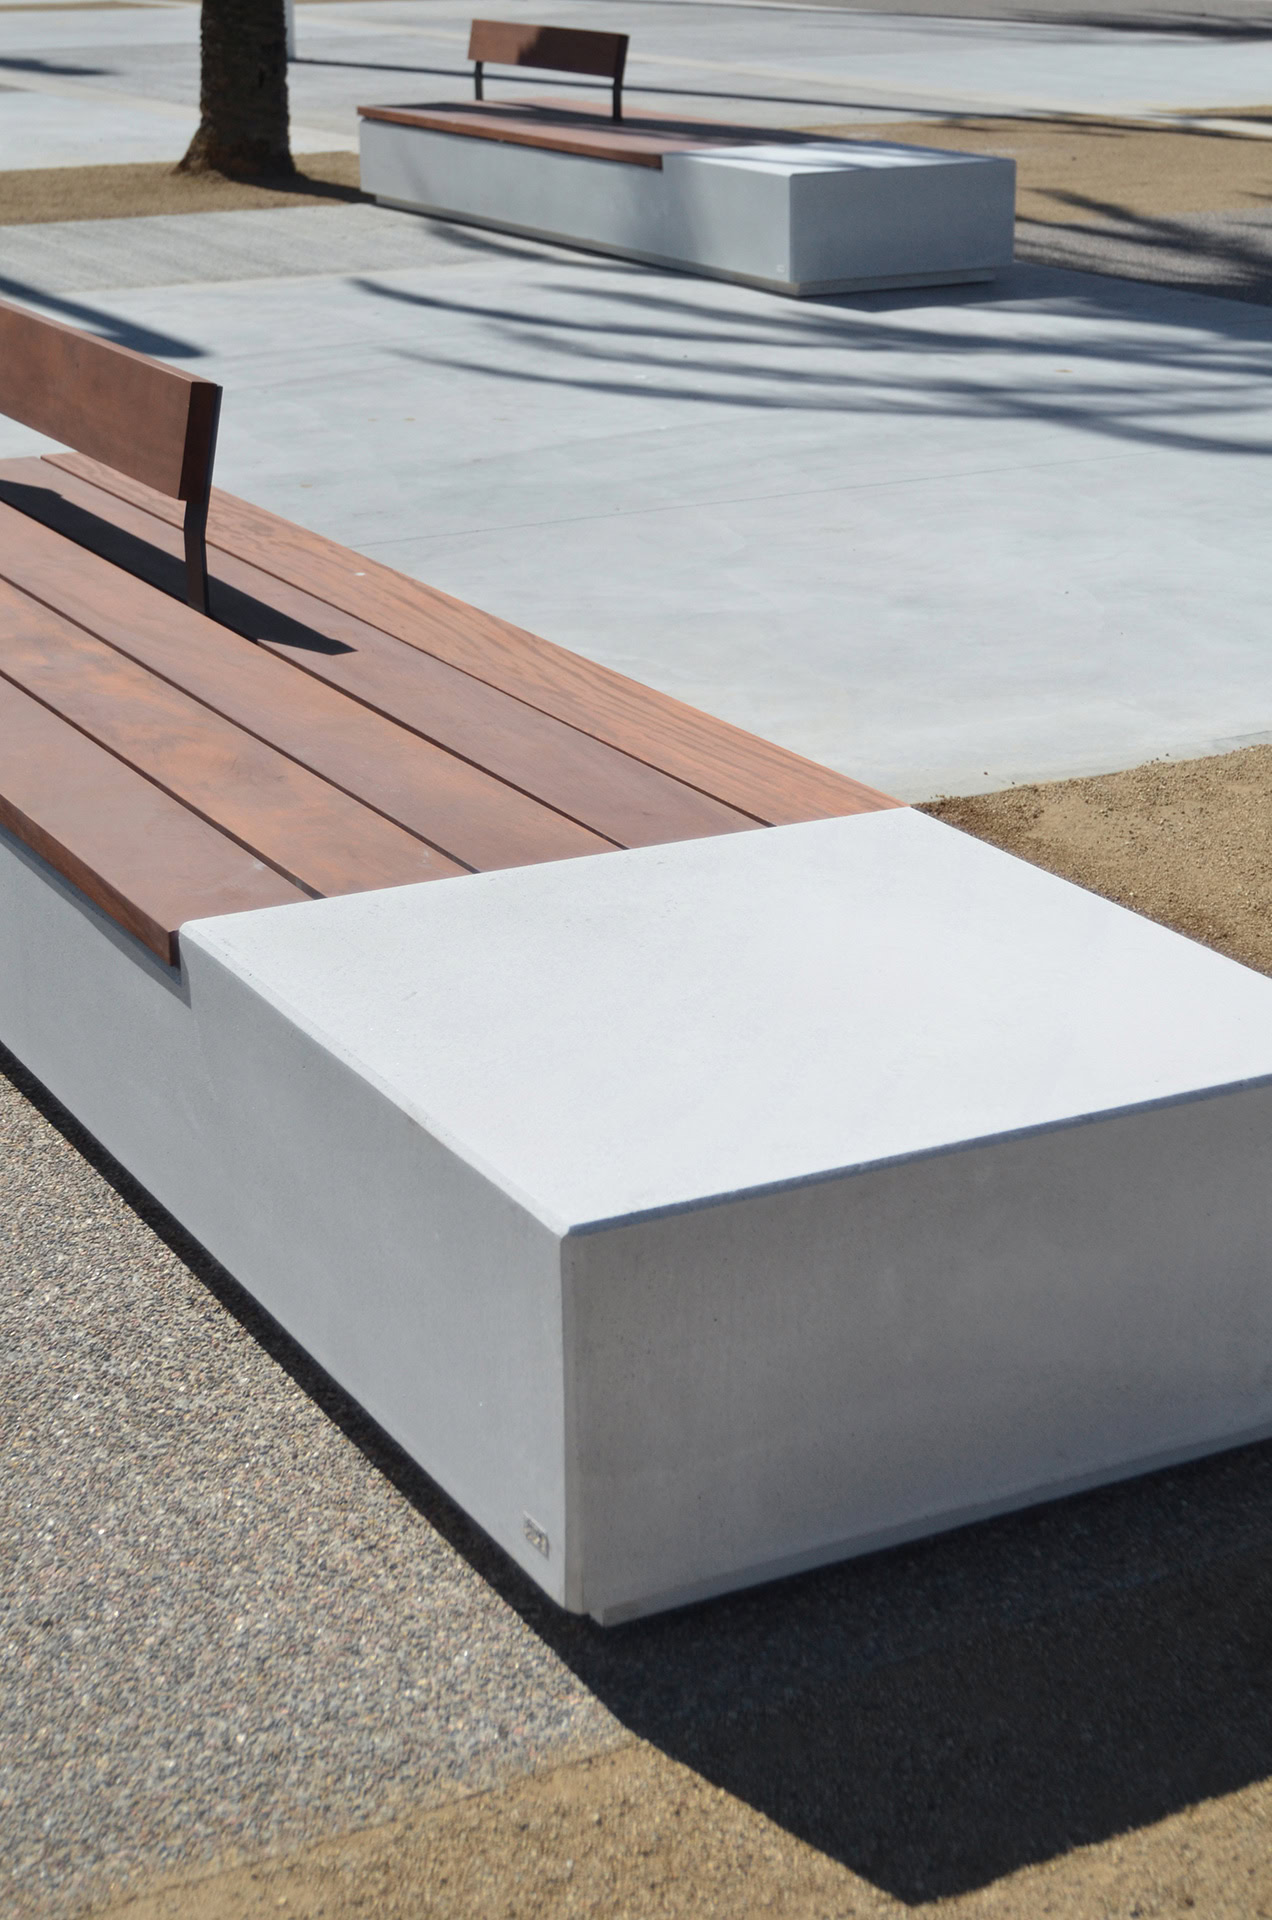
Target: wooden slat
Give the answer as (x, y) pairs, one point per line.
(477, 820)
(138, 854)
(558, 126)
(320, 839)
(486, 120)
(514, 43)
(623, 799)
(773, 785)
(154, 423)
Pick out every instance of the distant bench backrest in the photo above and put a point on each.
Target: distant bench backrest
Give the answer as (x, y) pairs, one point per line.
(143, 418)
(563, 49)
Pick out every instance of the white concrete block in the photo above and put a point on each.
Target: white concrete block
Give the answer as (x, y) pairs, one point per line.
(803, 219)
(703, 1212)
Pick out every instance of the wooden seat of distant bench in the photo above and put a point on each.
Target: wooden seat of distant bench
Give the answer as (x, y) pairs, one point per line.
(641, 140)
(333, 726)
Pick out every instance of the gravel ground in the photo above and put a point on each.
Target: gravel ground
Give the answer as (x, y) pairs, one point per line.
(1229, 254)
(224, 1623)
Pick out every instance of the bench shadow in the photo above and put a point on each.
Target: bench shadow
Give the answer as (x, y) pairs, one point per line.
(13, 63)
(935, 1717)
(124, 333)
(230, 606)
(307, 186)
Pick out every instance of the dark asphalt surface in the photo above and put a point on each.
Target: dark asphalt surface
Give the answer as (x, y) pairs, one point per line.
(236, 1617)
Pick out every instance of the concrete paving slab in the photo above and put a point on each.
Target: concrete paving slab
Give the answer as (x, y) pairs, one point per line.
(72, 256)
(944, 543)
(51, 127)
(110, 79)
(793, 57)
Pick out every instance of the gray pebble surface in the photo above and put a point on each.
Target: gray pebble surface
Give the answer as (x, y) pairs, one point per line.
(1224, 254)
(236, 1618)
(223, 1626)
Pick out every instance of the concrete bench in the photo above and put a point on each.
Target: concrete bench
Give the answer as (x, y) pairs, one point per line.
(789, 212)
(702, 1165)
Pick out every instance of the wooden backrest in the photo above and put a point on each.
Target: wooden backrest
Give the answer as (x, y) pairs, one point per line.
(565, 49)
(137, 415)
(511, 43)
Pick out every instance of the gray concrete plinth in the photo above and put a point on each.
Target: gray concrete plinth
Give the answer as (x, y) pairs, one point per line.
(822, 217)
(704, 1212)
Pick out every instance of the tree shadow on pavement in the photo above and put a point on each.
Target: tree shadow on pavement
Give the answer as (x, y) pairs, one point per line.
(937, 1716)
(1149, 369)
(124, 333)
(1227, 255)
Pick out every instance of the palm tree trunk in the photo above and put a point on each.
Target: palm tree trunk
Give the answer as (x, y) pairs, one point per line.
(243, 91)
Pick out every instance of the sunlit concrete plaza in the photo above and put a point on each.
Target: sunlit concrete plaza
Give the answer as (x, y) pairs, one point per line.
(947, 540)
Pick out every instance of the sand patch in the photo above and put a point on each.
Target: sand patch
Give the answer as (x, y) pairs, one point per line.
(638, 1836)
(1187, 842)
(34, 195)
(1074, 170)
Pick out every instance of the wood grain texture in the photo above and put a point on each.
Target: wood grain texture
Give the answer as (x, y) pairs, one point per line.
(771, 784)
(316, 837)
(466, 813)
(152, 422)
(486, 120)
(136, 853)
(514, 43)
(624, 800)
(638, 140)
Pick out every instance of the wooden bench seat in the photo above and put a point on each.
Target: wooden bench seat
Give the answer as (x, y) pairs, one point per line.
(639, 140)
(146, 859)
(328, 726)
